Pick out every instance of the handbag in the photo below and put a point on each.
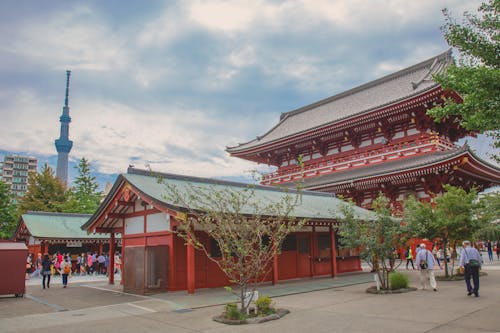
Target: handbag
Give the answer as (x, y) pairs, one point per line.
(423, 262)
(472, 262)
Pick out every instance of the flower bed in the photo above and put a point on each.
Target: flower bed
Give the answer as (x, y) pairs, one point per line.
(373, 290)
(252, 320)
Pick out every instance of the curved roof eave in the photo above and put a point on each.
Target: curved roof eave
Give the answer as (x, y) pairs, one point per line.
(242, 148)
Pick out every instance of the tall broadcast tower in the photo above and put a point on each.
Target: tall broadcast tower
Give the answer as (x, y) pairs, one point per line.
(64, 144)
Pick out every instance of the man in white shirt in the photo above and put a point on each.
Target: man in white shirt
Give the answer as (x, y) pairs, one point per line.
(425, 262)
(470, 262)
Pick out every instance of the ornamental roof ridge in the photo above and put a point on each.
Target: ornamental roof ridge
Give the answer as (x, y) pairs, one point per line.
(32, 212)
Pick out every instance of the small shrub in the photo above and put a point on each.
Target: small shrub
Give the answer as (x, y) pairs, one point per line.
(264, 306)
(231, 312)
(398, 281)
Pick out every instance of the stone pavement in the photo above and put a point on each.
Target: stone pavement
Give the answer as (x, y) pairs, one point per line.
(316, 305)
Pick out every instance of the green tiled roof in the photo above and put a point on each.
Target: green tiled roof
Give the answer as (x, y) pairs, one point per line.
(313, 204)
(58, 225)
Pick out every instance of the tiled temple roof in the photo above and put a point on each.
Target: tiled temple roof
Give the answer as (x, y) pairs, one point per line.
(387, 90)
(152, 185)
(57, 225)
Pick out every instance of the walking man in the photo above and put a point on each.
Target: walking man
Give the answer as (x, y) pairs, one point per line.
(425, 262)
(470, 263)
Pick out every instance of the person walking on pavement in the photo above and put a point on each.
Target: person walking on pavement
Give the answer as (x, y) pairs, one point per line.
(409, 258)
(46, 263)
(498, 250)
(426, 262)
(489, 248)
(65, 270)
(470, 263)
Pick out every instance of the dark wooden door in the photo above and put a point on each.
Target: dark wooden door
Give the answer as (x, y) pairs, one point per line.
(303, 256)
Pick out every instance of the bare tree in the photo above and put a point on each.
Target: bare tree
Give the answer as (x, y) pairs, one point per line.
(248, 225)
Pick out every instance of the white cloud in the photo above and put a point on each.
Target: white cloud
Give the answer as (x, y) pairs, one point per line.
(78, 39)
(242, 57)
(169, 25)
(168, 139)
(28, 122)
(227, 16)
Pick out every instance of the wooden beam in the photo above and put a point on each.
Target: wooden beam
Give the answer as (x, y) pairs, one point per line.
(115, 216)
(109, 230)
(125, 203)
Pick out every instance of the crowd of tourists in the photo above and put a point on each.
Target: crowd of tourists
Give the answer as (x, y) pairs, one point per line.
(65, 265)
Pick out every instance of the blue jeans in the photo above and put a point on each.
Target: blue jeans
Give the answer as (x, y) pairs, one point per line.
(65, 279)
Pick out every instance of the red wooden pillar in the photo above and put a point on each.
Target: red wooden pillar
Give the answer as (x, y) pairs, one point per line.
(42, 248)
(111, 266)
(275, 264)
(333, 252)
(122, 267)
(100, 248)
(311, 249)
(190, 268)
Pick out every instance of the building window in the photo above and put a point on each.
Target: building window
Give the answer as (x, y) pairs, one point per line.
(215, 251)
(289, 243)
(303, 245)
(324, 247)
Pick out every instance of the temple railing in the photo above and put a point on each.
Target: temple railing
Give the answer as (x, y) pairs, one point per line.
(347, 160)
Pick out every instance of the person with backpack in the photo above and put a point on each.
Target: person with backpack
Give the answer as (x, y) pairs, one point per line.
(470, 263)
(425, 262)
(65, 268)
(409, 258)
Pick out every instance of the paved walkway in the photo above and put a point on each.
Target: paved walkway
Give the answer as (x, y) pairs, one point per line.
(317, 305)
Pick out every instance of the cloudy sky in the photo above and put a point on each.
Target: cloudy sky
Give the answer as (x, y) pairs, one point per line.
(170, 84)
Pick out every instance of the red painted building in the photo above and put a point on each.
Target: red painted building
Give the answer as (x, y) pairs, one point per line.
(374, 138)
(156, 259)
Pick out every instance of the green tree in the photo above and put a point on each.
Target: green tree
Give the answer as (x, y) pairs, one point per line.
(488, 211)
(451, 218)
(477, 77)
(377, 238)
(8, 216)
(45, 193)
(83, 197)
(248, 230)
